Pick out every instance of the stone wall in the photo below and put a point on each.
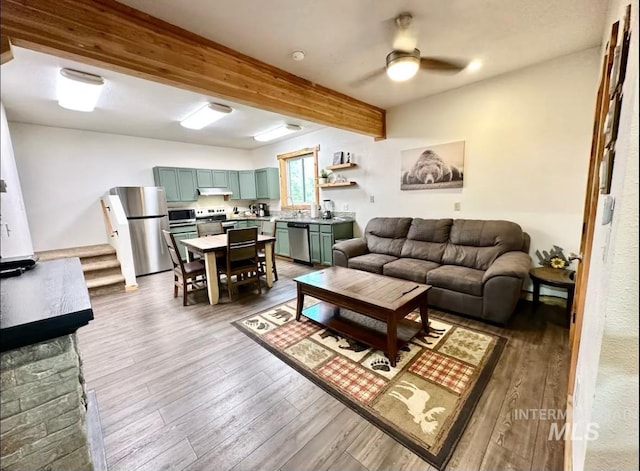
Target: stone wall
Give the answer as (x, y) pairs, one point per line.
(43, 408)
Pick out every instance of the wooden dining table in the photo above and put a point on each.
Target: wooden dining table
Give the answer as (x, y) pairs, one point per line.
(213, 246)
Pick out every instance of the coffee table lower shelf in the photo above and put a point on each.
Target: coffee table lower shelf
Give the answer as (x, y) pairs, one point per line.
(360, 327)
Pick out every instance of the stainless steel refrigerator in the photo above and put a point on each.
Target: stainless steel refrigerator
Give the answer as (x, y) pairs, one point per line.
(146, 211)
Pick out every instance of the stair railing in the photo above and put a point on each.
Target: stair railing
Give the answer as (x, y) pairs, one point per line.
(117, 229)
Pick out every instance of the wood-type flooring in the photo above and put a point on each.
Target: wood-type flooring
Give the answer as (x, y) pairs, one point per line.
(181, 388)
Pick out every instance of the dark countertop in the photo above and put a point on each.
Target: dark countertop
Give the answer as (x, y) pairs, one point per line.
(48, 301)
(337, 220)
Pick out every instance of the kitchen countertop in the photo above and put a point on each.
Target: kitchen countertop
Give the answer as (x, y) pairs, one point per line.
(48, 301)
(306, 220)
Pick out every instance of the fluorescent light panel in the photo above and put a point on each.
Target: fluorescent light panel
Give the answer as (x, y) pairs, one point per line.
(206, 115)
(77, 90)
(280, 131)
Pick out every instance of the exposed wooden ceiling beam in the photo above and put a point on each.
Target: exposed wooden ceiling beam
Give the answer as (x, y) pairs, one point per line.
(114, 36)
(5, 48)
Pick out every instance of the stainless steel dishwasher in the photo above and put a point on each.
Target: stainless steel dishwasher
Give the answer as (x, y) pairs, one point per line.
(299, 242)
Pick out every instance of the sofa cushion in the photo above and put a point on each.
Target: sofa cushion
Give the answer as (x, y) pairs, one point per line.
(426, 239)
(386, 235)
(371, 262)
(476, 244)
(462, 279)
(409, 269)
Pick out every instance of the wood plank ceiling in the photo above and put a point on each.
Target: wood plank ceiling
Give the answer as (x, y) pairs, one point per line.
(108, 34)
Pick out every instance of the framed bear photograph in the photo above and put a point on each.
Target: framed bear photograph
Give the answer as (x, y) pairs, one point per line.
(438, 166)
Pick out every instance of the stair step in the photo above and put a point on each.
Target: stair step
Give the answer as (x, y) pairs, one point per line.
(105, 284)
(105, 281)
(91, 264)
(102, 273)
(81, 252)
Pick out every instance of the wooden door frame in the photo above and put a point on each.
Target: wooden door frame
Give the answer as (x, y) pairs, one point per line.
(598, 143)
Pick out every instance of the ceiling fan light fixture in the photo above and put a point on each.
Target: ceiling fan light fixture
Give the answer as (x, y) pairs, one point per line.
(78, 91)
(206, 115)
(275, 133)
(403, 65)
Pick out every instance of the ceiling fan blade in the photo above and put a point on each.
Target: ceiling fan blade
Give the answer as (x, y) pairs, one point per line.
(442, 65)
(368, 78)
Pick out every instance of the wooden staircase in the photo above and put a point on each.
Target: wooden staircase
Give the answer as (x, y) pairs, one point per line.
(99, 263)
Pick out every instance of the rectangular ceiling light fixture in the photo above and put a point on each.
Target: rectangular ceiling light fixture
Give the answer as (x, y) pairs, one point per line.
(206, 115)
(77, 90)
(280, 131)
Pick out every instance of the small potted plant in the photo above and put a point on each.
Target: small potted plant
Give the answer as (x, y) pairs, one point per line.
(323, 177)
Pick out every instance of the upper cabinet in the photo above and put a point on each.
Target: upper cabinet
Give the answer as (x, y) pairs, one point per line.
(234, 184)
(179, 183)
(247, 184)
(267, 183)
(204, 178)
(212, 178)
(220, 178)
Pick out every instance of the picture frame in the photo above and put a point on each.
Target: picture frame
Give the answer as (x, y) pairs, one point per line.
(338, 158)
(438, 166)
(606, 171)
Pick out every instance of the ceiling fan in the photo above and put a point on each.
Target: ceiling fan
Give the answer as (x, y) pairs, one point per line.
(404, 61)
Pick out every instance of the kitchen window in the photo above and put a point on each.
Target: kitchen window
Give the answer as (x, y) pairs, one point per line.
(299, 175)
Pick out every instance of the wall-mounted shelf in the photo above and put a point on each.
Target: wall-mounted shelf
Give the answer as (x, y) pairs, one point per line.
(342, 166)
(331, 185)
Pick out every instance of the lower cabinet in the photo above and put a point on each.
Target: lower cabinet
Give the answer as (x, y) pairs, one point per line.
(282, 239)
(323, 236)
(182, 233)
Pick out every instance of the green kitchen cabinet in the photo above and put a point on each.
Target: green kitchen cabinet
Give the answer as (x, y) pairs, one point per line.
(267, 183)
(187, 184)
(204, 178)
(282, 239)
(242, 224)
(326, 251)
(212, 178)
(167, 177)
(247, 184)
(220, 178)
(233, 179)
(182, 233)
(179, 183)
(323, 236)
(314, 246)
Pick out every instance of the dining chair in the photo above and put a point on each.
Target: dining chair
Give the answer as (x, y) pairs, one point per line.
(268, 228)
(241, 258)
(190, 276)
(210, 228)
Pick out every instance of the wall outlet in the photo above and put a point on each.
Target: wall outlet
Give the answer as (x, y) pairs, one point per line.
(345, 207)
(456, 206)
(372, 199)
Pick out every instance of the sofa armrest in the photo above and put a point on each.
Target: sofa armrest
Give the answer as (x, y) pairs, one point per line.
(346, 249)
(515, 264)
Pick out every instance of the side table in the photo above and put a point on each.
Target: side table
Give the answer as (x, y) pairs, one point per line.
(557, 277)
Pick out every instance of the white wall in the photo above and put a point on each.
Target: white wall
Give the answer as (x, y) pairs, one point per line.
(606, 391)
(527, 139)
(64, 172)
(15, 237)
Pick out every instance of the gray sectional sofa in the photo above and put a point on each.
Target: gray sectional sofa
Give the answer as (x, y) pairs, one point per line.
(475, 267)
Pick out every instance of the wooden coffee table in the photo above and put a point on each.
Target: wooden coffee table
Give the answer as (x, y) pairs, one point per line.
(364, 306)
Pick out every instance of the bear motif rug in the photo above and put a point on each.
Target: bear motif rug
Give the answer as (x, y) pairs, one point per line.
(424, 402)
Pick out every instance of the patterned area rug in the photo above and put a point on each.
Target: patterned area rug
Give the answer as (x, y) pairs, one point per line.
(424, 402)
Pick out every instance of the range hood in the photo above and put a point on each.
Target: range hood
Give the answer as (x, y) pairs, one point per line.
(214, 191)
